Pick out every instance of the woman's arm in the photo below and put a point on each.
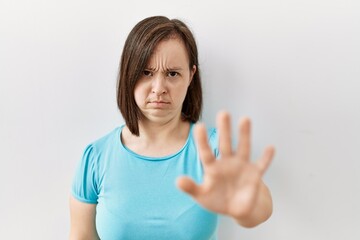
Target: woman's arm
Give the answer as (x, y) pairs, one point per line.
(82, 218)
(261, 211)
(233, 183)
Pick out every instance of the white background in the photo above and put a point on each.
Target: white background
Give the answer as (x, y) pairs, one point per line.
(292, 66)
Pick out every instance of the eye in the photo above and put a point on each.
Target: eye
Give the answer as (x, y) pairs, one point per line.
(147, 73)
(172, 74)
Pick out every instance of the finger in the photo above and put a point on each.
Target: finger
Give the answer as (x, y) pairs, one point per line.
(201, 139)
(186, 184)
(224, 126)
(244, 139)
(266, 159)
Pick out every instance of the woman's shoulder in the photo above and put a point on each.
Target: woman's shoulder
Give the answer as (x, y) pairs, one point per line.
(110, 139)
(213, 138)
(212, 133)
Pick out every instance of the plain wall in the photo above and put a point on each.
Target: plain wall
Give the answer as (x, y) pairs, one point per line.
(293, 67)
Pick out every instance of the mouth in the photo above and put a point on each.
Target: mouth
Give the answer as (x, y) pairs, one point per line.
(158, 102)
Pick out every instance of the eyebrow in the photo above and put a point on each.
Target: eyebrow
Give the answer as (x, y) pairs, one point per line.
(150, 68)
(168, 69)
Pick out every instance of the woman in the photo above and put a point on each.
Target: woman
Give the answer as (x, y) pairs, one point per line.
(128, 183)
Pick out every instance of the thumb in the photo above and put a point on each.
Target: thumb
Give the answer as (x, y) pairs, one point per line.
(187, 185)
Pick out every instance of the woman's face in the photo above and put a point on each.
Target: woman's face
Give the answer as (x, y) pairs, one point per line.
(161, 90)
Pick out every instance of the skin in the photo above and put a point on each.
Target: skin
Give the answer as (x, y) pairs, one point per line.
(161, 90)
(232, 185)
(159, 94)
(82, 220)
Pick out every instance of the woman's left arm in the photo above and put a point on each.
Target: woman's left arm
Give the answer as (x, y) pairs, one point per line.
(232, 185)
(261, 211)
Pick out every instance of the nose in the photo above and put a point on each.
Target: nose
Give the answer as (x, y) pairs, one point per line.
(159, 85)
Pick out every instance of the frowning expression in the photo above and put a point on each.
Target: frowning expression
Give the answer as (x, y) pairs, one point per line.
(162, 88)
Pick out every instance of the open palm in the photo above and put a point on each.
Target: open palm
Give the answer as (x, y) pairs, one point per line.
(232, 183)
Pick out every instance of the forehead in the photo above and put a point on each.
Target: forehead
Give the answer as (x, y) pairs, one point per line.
(170, 51)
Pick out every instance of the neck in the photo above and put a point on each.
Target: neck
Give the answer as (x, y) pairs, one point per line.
(157, 139)
(159, 131)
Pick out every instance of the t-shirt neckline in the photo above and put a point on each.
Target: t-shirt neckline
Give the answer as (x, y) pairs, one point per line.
(147, 158)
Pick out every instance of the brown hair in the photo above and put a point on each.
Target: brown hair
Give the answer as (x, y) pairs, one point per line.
(137, 50)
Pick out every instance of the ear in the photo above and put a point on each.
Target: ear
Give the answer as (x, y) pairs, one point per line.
(192, 72)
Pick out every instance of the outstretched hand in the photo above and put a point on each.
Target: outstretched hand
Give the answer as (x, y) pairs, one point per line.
(232, 185)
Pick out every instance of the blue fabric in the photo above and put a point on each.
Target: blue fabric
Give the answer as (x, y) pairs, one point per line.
(136, 196)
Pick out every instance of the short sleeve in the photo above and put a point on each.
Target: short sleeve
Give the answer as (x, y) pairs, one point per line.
(84, 186)
(214, 141)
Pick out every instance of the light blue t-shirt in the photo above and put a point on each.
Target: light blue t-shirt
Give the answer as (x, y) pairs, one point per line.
(136, 196)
